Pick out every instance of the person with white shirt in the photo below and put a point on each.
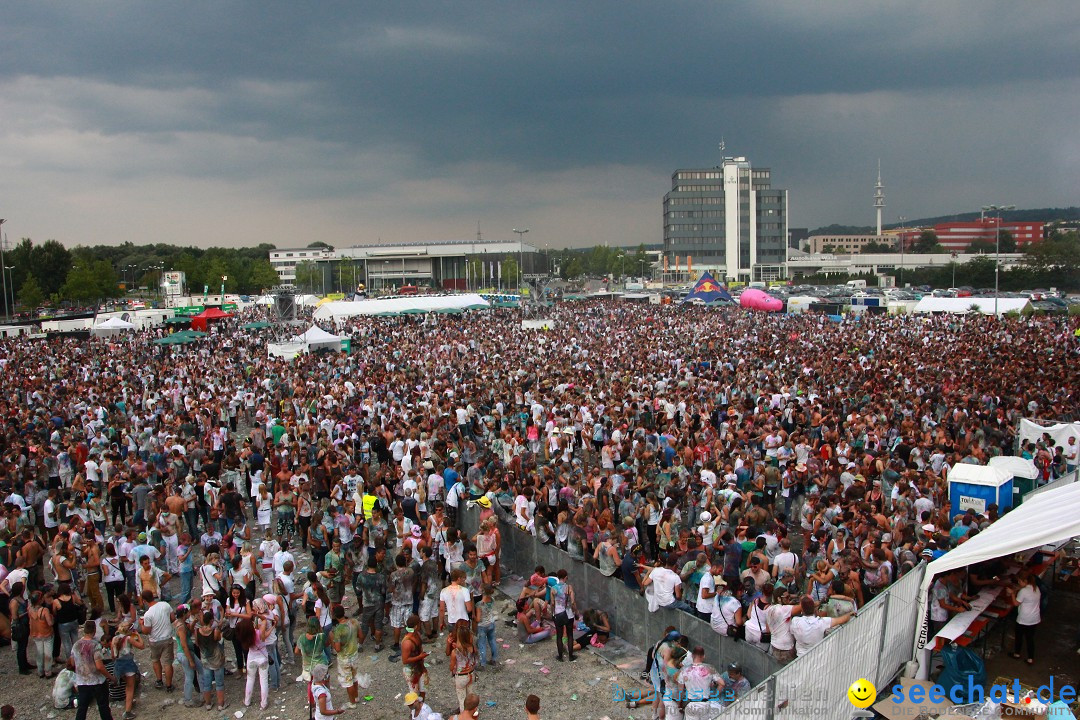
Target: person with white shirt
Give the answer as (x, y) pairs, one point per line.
(708, 589)
(1027, 598)
(778, 618)
(809, 628)
(667, 586)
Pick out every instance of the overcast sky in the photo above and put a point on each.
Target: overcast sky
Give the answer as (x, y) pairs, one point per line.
(233, 123)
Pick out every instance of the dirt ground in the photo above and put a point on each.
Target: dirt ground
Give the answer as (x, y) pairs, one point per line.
(566, 690)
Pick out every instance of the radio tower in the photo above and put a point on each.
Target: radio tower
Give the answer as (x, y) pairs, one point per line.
(879, 197)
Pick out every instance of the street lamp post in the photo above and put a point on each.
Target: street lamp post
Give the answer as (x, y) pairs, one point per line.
(223, 279)
(10, 285)
(2, 243)
(997, 246)
(903, 238)
(521, 257)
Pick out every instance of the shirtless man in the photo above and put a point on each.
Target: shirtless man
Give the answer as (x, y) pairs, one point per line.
(29, 557)
(168, 522)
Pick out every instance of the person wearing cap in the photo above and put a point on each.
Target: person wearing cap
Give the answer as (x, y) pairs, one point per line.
(320, 693)
(418, 709)
(734, 684)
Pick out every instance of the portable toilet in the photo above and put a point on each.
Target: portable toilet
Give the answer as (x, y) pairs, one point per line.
(1023, 472)
(976, 487)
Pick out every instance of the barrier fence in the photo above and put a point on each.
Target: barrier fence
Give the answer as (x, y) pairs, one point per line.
(627, 609)
(873, 645)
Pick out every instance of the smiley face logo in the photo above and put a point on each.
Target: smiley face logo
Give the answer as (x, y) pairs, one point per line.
(862, 693)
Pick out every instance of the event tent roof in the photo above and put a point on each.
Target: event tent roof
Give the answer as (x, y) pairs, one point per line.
(317, 337)
(930, 304)
(707, 290)
(341, 309)
(1045, 519)
(212, 313)
(115, 323)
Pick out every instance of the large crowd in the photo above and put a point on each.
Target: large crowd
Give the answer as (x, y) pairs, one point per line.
(769, 473)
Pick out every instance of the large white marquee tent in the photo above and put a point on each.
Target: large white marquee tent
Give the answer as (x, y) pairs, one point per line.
(960, 306)
(343, 309)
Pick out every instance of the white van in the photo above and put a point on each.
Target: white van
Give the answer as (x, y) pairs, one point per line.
(856, 284)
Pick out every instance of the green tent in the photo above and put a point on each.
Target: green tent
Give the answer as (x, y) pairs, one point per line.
(450, 311)
(386, 313)
(413, 311)
(178, 320)
(175, 339)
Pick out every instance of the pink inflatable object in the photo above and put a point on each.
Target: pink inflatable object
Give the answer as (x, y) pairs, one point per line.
(754, 299)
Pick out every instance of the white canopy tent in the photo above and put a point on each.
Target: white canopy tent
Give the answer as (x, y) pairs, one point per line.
(266, 300)
(316, 338)
(960, 306)
(1059, 433)
(112, 326)
(343, 309)
(287, 350)
(1049, 518)
(307, 300)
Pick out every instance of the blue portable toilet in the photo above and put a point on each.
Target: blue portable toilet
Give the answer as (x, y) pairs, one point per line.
(976, 487)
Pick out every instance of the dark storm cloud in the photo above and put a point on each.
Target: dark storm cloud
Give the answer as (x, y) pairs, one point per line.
(371, 93)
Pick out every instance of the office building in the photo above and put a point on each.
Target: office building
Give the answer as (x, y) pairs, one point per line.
(729, 220)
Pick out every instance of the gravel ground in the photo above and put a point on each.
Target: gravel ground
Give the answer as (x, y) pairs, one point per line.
(566, 690)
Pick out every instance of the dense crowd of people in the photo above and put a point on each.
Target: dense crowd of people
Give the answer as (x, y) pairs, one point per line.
(769, 473)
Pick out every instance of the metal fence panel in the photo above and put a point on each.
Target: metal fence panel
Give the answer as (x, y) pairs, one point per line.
(902, 618)
(873, 645)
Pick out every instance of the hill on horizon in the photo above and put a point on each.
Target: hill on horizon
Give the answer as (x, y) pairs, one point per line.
(1035, 214)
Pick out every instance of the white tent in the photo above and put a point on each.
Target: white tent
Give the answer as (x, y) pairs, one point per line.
(1059, 433)
(307, 300)
(112, 326)
(960, 306)
(1049, 518)
(264, 300)
(316, 338)
(1015, 466)
(287, 350)
(342, 309)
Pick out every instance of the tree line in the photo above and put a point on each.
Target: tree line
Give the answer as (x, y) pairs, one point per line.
(50, 273)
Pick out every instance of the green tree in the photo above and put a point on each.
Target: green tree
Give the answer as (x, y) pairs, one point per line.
(510, 272)
(81, 285)
(262, 276)
(320, 244)
(1006, 242)
(108, 285)
(573, 269)
(980, 247)
(30, 295)
(308, 276)
(878, 247)
(927, 243)
(1059, 252)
